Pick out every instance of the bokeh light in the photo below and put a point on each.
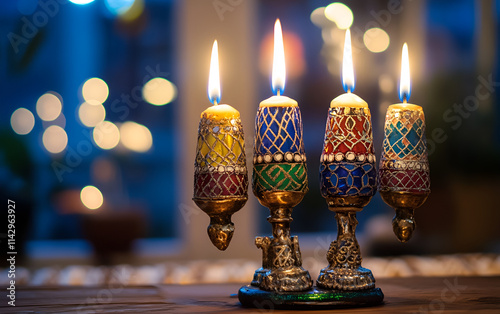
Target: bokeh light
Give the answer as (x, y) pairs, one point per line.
(95, 89)
(133, 12)
(91, 197)
(118, 7)
(386, 83)
(55, 139)
(91, 113)
(376, 39)
(106, 135)
(81, 2)
(48, 106)
(22, 121)
(159, 91)
(135, 136)
(339, 13)
(318, 17)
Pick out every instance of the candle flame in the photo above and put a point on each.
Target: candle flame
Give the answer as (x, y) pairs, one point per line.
(213, 79)
(279, 69)
(405, 83)
(348, 81)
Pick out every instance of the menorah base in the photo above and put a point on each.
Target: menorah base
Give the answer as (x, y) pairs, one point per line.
(314, 299)
(346, 278)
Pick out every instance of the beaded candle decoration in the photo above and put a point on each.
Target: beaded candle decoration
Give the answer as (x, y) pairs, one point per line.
(348, 180)
(404, 168)
(279, 182)
(220, 177)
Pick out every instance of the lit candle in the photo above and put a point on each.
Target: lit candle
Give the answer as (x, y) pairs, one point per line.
(348, 180)
(220, 179)
(404, 169)
(279, 156)
(348, 159)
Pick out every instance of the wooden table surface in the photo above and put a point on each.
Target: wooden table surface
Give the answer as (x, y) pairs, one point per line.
(402, 295)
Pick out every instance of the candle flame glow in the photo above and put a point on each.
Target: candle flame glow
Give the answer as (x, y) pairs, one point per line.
(348, 81)
(213, 79)
(405, 83)
(279, 69)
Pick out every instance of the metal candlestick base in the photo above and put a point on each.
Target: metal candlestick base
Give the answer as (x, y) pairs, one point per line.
(404, 203)
(344, 271)
(221, 228)
(314, 299)
(281, 259)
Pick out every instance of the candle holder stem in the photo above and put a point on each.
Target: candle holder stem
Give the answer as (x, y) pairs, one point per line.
(344, 271)
(281, 259)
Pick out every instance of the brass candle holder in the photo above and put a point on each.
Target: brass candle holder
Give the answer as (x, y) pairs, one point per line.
(220, 178)
(280, 183)
(404, 168)
(348, 182)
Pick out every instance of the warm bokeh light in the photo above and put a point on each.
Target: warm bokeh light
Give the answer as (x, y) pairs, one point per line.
(81, 2)
(376, 39)
(91, 113)
(48, 106)
(159, 91)
(279, 68)
(339, 13)
(95, 89)
(55, 139)
(106, 135)
(214, 91)
(22, 121)
(318, 17)
(135, 137)
(91, 197)
(348, 80)
(405, 83)
(386, 83)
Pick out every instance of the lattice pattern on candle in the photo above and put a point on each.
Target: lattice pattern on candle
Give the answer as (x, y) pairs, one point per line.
(404, 166)
(278, 135)
(279, 156)
(220, 165)
(348, 161)
(280, 177)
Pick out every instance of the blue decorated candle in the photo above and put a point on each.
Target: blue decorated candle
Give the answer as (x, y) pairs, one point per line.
(347, 165)
(279, 157)
(404, 166)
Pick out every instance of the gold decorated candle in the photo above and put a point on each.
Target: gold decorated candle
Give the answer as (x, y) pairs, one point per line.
(348, 160)
(220, 167)
(279, 156)
(404, 166)
(404, 176)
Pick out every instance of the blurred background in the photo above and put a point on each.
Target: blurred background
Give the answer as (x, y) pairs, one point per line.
(101, 99)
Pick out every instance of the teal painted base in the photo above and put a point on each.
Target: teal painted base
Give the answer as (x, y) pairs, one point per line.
(315, 298)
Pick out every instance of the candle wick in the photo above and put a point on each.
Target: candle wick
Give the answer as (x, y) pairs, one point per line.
(278, 92)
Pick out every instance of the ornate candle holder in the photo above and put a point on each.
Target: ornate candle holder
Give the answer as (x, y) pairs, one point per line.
(404, 168)
(348, 182)
(220, 178)
(280, 183)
